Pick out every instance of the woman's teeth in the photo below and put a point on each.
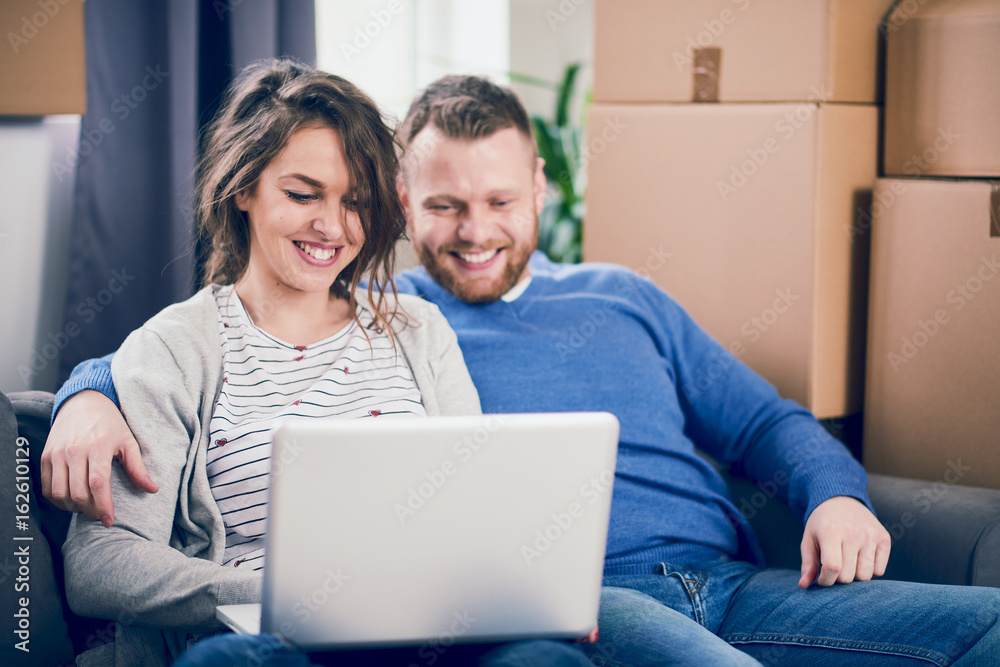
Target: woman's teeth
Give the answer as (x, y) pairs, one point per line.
(316, 253)
(478, 257)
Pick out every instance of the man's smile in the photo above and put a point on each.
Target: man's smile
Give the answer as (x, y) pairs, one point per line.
(479, 259)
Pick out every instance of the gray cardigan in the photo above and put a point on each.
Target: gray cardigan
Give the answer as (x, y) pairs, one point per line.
(159, 566)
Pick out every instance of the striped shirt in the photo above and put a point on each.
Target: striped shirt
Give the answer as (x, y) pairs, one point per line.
(265, 379)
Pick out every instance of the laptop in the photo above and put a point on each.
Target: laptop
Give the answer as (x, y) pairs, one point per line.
(413, 531)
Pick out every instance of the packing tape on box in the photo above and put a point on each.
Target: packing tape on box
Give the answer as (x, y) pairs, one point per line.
(995, 209)
(707, 65)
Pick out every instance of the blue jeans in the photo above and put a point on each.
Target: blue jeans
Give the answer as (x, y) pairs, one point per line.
(731, 613)
(231, 650)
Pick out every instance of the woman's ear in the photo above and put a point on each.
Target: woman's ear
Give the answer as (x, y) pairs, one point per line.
(243, 199)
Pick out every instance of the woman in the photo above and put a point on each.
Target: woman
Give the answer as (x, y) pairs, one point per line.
(297, 203)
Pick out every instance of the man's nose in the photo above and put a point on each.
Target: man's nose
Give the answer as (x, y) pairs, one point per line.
(475, 227)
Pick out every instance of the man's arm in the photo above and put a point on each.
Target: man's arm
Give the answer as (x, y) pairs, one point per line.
(738, 418)
(91, 374)
(88, 432)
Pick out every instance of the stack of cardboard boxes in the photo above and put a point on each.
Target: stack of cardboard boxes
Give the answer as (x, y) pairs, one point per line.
(732, 149)
(932, 406)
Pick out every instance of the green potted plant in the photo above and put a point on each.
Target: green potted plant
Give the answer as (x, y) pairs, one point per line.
(561, 145)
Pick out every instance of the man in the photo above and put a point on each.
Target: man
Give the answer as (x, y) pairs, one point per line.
(682, 577)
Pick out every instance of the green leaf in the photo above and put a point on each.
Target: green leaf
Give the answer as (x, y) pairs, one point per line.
(565, 94)
(561, 145)
(532, 80)
(558, 169)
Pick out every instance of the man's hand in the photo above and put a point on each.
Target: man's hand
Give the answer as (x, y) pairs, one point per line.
(88, 432)
(843, 541)
(589, 639)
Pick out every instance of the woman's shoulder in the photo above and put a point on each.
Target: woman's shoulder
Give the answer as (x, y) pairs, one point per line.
(417, 324)
(419, 319)
(194, 310)
(418, 307)
(180, 347)
(190, 325)
(410, 311)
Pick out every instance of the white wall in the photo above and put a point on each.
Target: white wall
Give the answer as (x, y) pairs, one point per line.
(462, 37)
(369, 43)
(545, 37)
(34, 247)
(393, 48)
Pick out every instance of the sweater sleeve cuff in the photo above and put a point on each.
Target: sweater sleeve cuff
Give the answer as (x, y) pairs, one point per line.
(845, 478)
(241, 589)
(94, 374)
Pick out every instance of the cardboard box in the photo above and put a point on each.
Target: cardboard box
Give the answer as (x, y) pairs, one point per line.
(769, 50)
(932, 395)
(43, 69)
(942, 99)
(745, 214)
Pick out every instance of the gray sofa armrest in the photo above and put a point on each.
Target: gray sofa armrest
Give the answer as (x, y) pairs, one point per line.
(57, 633)
(26, 542)
(941, 533)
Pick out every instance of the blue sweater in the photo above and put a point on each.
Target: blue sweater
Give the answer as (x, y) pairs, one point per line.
(598, 337)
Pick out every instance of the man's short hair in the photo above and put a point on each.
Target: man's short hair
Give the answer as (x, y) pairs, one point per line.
(465, 107)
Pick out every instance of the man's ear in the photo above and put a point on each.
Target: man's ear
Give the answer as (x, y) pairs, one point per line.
(541, 185)
(404, 197)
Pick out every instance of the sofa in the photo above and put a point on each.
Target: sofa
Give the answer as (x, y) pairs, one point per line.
(942, 533)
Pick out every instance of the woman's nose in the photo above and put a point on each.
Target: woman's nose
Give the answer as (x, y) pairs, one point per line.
(329, 222)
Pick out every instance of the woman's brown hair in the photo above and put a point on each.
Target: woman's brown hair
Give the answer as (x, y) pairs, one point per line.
(263, 108)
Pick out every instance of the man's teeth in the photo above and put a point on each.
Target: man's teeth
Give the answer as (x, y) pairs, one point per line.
(478, 257)
(316, 253)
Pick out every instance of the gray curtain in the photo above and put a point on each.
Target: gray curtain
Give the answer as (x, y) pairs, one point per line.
(155, 74)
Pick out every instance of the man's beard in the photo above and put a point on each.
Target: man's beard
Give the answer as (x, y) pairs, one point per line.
(469, 291)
